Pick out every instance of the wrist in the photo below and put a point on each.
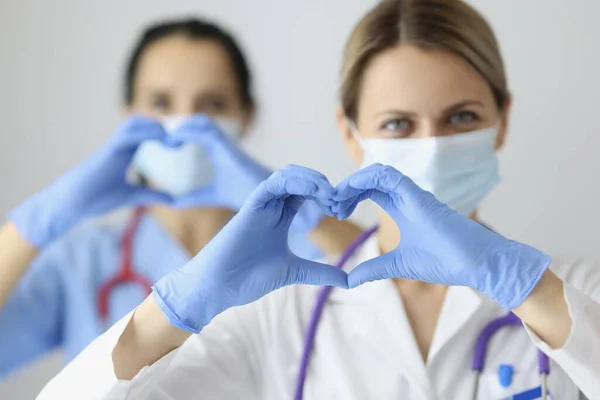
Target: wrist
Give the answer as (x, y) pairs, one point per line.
(548, 291)
(147, 338)
(546, 312)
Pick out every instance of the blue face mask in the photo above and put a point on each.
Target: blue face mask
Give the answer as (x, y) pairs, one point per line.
(460, 170)
(178, 171)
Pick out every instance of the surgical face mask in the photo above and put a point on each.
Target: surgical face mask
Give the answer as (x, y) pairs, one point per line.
(460, 170)
(180, 170)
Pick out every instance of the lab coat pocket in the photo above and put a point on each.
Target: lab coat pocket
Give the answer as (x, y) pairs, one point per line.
(521, 382)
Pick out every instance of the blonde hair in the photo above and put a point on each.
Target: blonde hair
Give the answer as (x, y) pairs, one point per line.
(448, 25)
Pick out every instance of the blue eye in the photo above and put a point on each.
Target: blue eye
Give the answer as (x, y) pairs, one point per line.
(463, 117)
(397, 127)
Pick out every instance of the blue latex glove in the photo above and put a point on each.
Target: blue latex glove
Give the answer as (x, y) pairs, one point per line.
(95, 187)
(439, 245)
(236, 173)
(249, 257)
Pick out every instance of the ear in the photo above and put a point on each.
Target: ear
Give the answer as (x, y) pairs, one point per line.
(504, 123)
(352, 145)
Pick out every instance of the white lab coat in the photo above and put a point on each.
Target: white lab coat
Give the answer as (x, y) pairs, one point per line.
(364, 349)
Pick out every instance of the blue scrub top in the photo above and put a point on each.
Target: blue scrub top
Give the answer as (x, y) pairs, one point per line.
(55, 305)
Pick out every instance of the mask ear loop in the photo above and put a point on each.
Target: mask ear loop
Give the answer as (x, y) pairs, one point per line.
(354, 131)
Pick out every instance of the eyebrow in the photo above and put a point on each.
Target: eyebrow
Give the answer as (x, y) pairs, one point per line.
(453, 107)
(209, 95)
(216, 90)
(464, 103)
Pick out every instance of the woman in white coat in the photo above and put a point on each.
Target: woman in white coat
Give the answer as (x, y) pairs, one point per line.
(423, 90)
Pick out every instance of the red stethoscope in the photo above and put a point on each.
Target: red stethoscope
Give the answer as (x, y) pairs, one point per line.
(126, 274)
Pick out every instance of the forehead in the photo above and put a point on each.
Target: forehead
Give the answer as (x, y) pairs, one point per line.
(179, 61)
(414, 79)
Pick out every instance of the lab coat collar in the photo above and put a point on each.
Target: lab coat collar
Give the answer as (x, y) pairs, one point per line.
(374, 316)
(374, 312)
(460, 305)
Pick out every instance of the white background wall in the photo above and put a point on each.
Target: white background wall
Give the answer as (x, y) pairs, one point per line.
(60, 70)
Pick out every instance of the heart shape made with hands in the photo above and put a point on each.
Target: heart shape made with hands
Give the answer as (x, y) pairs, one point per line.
(250, 258)
(438, 244)
(375, 183)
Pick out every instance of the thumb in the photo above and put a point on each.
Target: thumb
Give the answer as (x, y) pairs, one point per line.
(305, 272)
(382, 267)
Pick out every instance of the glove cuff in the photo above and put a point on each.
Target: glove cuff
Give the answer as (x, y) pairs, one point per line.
(170, 314)
(517, 269)
(177, 306)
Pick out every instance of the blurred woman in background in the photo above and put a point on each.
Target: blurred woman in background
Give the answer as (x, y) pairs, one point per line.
(63, 282)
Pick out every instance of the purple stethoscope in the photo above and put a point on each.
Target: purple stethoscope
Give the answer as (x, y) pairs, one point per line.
(480, 348)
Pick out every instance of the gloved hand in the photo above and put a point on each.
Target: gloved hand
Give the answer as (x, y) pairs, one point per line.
(249, 257)
(438, 245)
(93, 188)
(236, 173)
